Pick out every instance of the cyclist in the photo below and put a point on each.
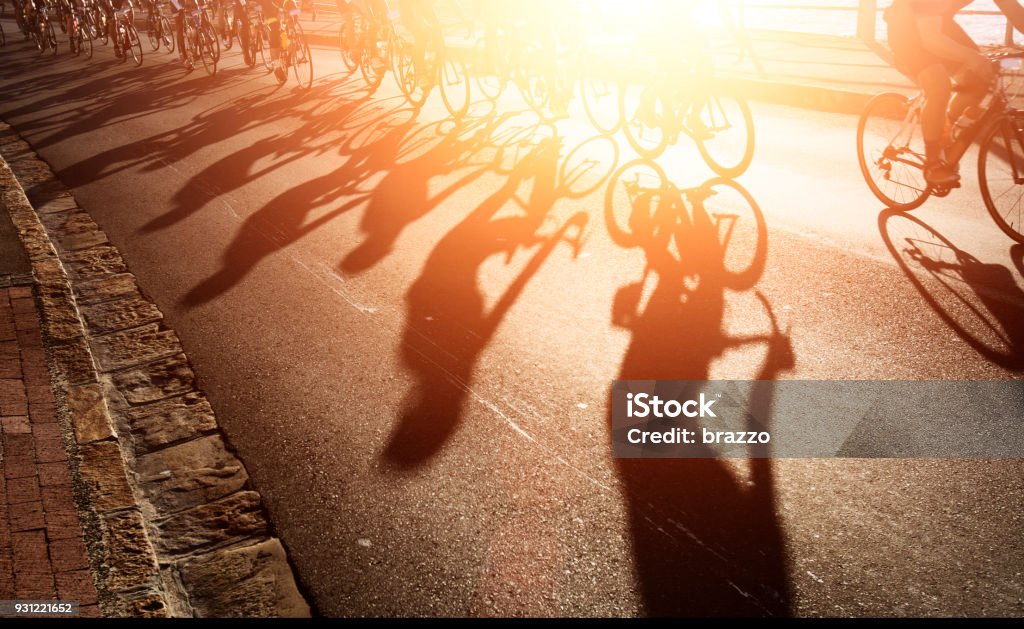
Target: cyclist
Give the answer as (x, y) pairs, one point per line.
(421, 20)
(934, 51)
(376, 12)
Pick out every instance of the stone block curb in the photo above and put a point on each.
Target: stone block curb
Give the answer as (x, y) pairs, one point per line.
(172, 524)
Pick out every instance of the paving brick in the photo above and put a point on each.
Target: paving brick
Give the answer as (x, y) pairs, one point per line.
(8, 332)
(57, 498)
(45, 413)
(51, 474)
(29, 552)
(16, 425)
(31, 585)
(23, 305)
(19, 292)
(50, 450)
(23, 490)
(6, 576)
(46, 430)
(26, 516)
(76, 585)
(18, 445)
(62, 524)
(19, 466)
(40, 394)
(68, 554)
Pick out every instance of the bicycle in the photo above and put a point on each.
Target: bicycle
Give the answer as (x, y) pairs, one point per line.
(43, 34)
(79, 40)
(236, 26)
(295, 53)
(159, 29)
(198, 44)
(721, 125)
(438, 66)
(644, 209)
(126, 37)
(890, 151)
(364, 39)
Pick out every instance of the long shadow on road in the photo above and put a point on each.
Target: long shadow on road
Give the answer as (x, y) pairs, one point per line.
(705, 534)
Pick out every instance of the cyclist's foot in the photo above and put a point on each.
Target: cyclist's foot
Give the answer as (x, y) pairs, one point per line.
(185, 61)
(939, 173)
(280, 72)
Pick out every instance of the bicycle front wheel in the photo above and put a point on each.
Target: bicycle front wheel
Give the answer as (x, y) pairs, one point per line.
(51, 38)
(455, 89)
(205, 45)
(632, 200)
(167, 38)
(302, 59)
(263, 45)
(133, 43)
(725, 135)
(153, 31)
(1001, 174)
(739, 228)
(349, 33)
(890, 150)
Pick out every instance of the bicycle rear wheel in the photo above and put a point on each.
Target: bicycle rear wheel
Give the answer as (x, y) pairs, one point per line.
(726, 136)
(890, 150)
(1001, 174)
(490, 68)
(212, 41)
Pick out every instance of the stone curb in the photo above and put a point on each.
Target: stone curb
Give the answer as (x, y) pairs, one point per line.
(172, 523)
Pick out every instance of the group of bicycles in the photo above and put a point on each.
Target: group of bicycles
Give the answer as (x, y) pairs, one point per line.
(550, 63)
(207, 28)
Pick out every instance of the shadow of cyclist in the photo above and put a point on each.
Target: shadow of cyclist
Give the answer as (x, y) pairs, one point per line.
(981, 302)
(706, 536)
(448, 324)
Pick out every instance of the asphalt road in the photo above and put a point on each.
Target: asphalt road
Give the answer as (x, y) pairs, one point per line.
(408, 331)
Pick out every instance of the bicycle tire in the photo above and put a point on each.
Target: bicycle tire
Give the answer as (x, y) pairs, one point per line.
(153, 31)
(403, 66)
(632, 229)
(881, 121)
(51, 37)
(301, 59)
(167, 38)
(206, 53)
(374, 49)
(74, 44)
(633, 128)
(600, 101)
(1009, 129)
(717, 122)
(86, 43)
(745, 275)
(263, 45)
(350, 55)
(211, 41)
(491, 79)
(133, 43)
(453, 81)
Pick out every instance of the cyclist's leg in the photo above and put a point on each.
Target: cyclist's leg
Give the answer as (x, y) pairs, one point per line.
(971, 88)
(937, 85)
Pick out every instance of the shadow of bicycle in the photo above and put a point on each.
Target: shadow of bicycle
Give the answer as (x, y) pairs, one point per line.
(981, 302)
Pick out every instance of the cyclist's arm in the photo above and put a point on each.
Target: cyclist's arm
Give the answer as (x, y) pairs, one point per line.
(1014, 12)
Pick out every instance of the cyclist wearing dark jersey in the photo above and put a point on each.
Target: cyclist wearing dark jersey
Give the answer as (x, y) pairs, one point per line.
(935, 52)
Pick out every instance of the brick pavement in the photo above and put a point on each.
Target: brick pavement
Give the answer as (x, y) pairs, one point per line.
(42, 552)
